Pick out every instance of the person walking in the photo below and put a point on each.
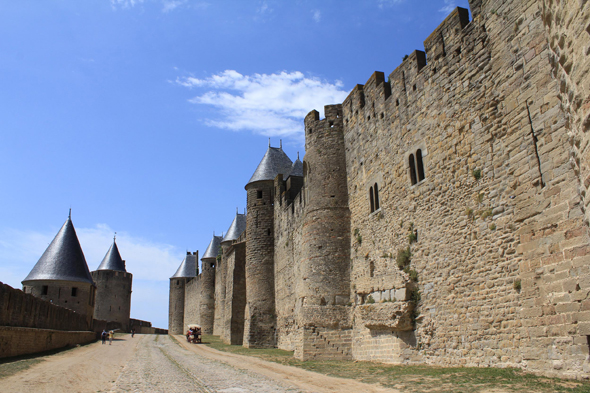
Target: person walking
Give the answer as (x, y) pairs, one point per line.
(132, 333)
(103, 336)
(111, 334)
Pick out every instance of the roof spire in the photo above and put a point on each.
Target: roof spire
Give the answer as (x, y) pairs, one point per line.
(236, 210)
(269, 142)
(115, 237)
(280, 143)
(297, 155)
(70, 215)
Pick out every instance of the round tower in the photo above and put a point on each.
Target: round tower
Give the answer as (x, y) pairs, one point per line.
(234, 278)
(209, 267)
(113, 289)
(325, 254)
(186, 271)
(61, 275)
(260, 318)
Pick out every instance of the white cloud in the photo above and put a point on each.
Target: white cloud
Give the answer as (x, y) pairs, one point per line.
(151, 263)
(169, 5)
(449, 6)
(267, 104)
(317, 16)
(125, 3)
(388, 3)
(264, 8)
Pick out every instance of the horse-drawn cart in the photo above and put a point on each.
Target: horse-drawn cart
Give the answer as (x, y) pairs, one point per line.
(193, 334)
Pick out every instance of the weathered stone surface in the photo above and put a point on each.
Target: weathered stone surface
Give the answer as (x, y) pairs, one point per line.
(460, 182)
(396, 316)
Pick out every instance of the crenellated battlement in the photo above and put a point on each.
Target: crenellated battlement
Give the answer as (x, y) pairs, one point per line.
(435, 201)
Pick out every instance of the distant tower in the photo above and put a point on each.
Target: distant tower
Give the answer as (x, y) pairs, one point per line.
(235, 282)
(209, 267)
(61, 275)
(260, 320)
(113, 289)
(186, 271)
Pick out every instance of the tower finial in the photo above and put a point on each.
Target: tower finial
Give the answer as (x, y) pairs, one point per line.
(237, 210)
(70, 214)
(281, 143)
(269, 142)
(115, 237)
(297, 155)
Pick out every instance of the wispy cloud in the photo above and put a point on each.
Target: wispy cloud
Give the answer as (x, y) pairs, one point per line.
(264, 8)
(317, 15)
(125, 3)
(449, 5)
(271, 105)
(169, 5)
(388, 3)
(150, 262)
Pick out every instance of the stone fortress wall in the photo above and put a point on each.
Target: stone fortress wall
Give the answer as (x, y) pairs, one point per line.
(442, 215)
(29, 324)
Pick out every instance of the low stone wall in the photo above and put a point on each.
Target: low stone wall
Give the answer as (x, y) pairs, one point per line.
(25, 310)
(17, 341)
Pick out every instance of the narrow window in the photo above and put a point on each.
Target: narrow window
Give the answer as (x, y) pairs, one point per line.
(44, 290)
(420, 165)
(74, 292)
(376, 197)
(371, 199)
(371, 269)
(259, 194)
(412, 169)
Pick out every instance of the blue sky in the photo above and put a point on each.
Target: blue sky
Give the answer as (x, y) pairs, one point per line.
(148, 117)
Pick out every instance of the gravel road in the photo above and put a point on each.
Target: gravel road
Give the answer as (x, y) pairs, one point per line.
(159, 363)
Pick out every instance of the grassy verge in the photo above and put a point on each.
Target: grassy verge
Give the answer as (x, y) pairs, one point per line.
(416, 378)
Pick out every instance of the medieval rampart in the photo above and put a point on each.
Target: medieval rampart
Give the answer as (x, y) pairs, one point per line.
(29, 324)
(457, 232)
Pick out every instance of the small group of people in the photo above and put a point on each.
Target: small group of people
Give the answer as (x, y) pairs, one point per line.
(110, 334)
(104, 336)
(193, 334)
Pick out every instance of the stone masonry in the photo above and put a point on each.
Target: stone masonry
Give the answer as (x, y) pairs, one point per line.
(442, 213)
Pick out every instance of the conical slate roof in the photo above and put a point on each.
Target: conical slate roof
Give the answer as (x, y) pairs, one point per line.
(112, 261)
(213, 248)
(297, 168)
(63, 260)
(236, 228)
(188, 267)
(275, 161)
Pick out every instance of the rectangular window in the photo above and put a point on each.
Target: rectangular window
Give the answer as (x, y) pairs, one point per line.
(44, 290)
(259, 194)
(74, 292)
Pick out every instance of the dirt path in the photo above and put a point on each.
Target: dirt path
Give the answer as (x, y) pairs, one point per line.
(90, 368)
(149, 363)
(308, 381)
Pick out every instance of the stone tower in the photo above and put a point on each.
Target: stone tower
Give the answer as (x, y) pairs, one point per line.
(323, 285)
(61, 275)
(113, 289)
(260, 319)
(209, 266)
(234, 259)
(186, 271)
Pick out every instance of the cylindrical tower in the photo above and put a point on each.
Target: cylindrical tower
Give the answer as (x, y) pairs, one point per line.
(260, 318)
(324, 288)
(61, 275)
(113, 289)
(209, 267)
(186, 270)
